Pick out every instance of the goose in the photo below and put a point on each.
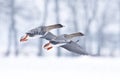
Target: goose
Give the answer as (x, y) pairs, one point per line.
(60, 40)
(41, 31)
(65, 41)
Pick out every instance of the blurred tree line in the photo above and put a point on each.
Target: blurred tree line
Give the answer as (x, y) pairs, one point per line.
(99, 20)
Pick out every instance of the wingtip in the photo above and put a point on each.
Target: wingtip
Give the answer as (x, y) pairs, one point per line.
(81, 34)
(60, 25)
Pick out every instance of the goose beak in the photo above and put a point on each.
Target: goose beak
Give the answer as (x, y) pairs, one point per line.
(24, 38)
(48, 46)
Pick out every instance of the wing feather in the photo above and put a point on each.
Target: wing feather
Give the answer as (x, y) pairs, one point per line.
(49, 36)
(70, 36)
(74, 47)
(55, 26)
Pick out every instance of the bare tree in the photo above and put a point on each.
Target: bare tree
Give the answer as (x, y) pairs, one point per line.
(18, 10)
(57, 21)
(90, 6)
(115, 44)
(74, 11)
(46, 2)
(72, 5)
(107, 18)
(102, 23)
(12, 30)
(119, 24)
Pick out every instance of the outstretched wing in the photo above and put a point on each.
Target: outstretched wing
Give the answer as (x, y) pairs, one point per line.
(42, 30)
(70, 36)
(49, 36)
(74, 47)
(55, 26)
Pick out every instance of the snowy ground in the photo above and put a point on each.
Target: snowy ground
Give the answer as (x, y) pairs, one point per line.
(52, 68)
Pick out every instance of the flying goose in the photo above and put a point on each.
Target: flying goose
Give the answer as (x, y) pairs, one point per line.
(41, 31)
(65, 42)
(61, 39)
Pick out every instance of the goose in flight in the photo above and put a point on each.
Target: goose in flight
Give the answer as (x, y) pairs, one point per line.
(41, 31)
(65, 41)
(60, 40)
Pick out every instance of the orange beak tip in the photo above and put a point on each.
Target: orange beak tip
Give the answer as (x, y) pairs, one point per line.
(23, 40)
